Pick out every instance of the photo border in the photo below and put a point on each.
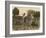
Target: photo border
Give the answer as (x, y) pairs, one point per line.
(7, 18)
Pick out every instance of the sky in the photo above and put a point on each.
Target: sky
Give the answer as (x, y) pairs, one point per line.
(24, 8)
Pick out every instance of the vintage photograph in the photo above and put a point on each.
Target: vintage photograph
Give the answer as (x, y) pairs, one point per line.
(25, 18)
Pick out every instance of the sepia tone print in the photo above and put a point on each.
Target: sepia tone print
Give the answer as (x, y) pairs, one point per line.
(25, 18)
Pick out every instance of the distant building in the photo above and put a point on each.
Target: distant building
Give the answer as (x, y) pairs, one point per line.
(18, 20)
(28, 20)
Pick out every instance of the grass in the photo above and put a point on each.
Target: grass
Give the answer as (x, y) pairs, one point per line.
(24, 27)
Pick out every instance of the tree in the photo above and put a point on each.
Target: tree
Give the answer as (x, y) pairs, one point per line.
(34, 25)
(15, 11)
(30, 12)
(36, 14)
(36, 17)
